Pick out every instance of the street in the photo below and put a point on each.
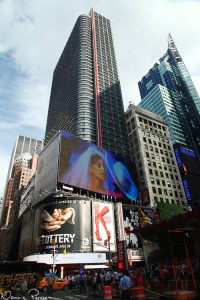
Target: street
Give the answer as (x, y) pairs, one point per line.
(61, 295)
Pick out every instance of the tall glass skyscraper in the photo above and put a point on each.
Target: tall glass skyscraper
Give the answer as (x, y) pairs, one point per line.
(168, 90)
(86, 97)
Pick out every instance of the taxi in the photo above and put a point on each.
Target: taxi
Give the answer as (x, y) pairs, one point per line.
(59, 284)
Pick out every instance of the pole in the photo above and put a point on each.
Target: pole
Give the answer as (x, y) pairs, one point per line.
(54, 259)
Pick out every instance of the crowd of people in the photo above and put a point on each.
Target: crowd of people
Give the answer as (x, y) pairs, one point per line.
(159, 277)
(18, 283)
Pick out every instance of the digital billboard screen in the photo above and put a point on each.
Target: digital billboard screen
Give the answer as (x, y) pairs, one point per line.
(68, 222)
(190, 172)
(84, 165)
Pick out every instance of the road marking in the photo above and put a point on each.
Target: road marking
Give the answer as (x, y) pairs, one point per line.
(76, 297)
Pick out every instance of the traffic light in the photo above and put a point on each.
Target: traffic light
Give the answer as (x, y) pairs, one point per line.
(64, 251)
(105, 242)
(53, 241)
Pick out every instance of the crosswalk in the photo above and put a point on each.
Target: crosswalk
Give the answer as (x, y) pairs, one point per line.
(70, 297)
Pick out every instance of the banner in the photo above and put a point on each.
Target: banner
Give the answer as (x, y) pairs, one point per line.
(103, 227)
(64, 224)
(131, 221)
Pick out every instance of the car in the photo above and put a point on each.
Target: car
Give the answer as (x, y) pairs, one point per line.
(59, 284)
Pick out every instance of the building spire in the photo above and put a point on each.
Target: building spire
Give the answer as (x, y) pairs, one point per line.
(173, 48)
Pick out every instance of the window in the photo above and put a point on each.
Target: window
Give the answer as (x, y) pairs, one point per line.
(154, 190)
(149, 162)
(158, 181)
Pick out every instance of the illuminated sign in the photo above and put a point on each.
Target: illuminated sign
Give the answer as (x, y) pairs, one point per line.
(187, 151)
(178, 158)
(86, 166)
(187, 191)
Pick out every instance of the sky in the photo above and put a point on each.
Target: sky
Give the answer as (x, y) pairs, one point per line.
(34, 33)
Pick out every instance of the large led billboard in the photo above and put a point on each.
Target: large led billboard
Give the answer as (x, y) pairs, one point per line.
(68, 222)
(190, 172)
(84, 165)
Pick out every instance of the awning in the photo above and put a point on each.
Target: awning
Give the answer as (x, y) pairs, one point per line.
(188, 221)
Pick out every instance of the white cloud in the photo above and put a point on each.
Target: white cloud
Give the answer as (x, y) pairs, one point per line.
(34, 34)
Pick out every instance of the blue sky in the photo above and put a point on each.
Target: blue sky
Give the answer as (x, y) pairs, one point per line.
(33, 35)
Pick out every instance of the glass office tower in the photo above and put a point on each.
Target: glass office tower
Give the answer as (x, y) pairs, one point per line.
(168, 90)
(86, 97)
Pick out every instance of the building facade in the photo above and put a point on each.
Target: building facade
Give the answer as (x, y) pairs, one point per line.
(22, 145)
(23, 170)
(86, 97)
(168, 90)
(151, 148)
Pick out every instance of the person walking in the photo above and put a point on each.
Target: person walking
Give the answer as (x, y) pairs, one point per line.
(50, 287)
(24, 288)
(124, 285)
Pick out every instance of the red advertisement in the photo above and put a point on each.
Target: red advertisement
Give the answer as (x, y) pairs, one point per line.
(103, 227)
(122, 255)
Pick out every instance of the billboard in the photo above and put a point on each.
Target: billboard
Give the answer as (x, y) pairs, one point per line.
(131, 221)
(119, 221)
(147, 216)
(190, 172)
(103, 226)
(145, 196)
(122, 255)
(46, 176)
(168, 210)
(84, 165)
(68, 222)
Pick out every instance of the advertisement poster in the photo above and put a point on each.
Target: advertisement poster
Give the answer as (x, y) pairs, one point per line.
(25, 246)
(67, 222)
(168, 210)
(147, 216)
(103, 226)
(145, 196)
(131, 221)
(122, 255)
(84, 165)
(119, 222)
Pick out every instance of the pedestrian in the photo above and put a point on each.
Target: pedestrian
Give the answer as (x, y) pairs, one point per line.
(50, 287)
(124, 285)
(24, 288)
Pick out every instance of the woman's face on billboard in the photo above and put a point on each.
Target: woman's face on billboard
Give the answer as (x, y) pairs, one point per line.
(98, 169)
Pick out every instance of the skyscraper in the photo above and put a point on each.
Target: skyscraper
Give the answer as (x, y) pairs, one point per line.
(86, 97)
(22, 145)
(159, 180)
(168, 90)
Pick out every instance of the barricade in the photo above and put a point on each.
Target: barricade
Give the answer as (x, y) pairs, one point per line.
(107, 293)
(139, 293)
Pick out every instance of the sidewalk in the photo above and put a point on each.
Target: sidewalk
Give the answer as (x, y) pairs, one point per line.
(149, 296)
